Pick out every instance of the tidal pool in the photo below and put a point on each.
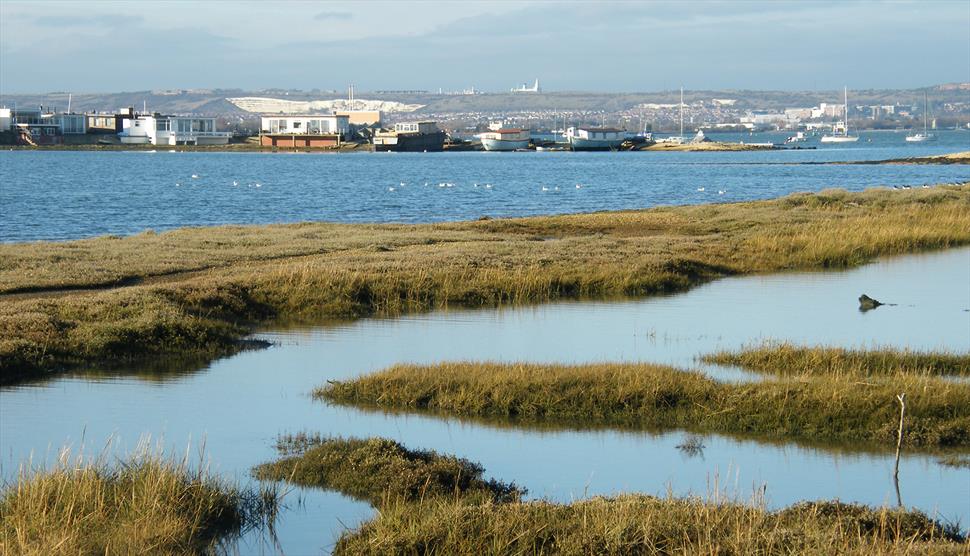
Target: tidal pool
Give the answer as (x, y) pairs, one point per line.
(238, 405)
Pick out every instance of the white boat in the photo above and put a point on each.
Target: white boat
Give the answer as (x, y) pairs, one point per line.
(595, 138)
(799, 137)
(505, 139)
(922, 137)
(844, 136)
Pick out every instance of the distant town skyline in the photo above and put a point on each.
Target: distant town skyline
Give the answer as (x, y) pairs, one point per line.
(492, 46)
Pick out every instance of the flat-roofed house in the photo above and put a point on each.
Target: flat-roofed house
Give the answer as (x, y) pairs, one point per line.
(172, 130)
(305, 131)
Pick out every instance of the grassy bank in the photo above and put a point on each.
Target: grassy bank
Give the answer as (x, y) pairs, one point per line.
(202, 289)
(962, 157)
(435, 504)
(145, 505)
(379, 470)
(635, 524)
(820, 408)
(785, 359)
(708, 146)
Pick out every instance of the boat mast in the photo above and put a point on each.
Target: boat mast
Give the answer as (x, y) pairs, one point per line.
(926, 112)
(845, 92)
(681, 111)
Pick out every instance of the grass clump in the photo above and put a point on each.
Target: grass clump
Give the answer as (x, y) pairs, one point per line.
(201, 289)
(786, 359)
(637, 395)
(636, 524)
(378, 469)
(144, 505)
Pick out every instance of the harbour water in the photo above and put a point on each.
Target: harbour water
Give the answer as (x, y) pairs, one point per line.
(238, 405)
(57, 195)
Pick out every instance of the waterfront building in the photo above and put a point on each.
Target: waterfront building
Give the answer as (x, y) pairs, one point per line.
(72, 124)
(305, 131)
(32, 125)
(157, 129)
(411, 136)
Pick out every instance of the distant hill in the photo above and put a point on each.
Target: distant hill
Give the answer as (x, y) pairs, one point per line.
(213, 101)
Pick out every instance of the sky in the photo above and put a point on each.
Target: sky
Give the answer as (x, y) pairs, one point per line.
(108, 46)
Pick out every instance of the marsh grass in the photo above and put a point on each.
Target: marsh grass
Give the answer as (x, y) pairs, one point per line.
(636, 524)
(145, 504)
(955, 460)
(202, 289)
(786, 359)
(821, 408)
(379, 470)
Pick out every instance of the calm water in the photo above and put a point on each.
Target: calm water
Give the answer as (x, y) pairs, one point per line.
(239, 405)
(68, 195)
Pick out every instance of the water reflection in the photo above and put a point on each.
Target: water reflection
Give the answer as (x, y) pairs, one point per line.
(242, 403)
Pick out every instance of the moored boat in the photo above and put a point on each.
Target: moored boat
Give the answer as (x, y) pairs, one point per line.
(840, 134)
(925, 136)
(505, 139)
(595, 138)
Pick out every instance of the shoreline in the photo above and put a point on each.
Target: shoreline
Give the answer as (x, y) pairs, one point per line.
(203, 290)
(960, 157)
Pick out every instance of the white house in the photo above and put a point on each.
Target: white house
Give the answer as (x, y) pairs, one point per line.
(332, 124)
(172, 130)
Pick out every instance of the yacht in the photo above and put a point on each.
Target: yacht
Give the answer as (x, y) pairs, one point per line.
(840, 134)
(922, 137)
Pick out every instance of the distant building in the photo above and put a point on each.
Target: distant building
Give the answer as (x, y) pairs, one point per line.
(526, 89)
(798, 114)
(157, 129)
(305, 131)
(825, 110)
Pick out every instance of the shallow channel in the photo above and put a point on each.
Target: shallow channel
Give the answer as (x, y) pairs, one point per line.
(237, 406)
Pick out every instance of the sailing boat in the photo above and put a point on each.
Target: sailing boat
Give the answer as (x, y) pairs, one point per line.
(920, 137)
(844, 136)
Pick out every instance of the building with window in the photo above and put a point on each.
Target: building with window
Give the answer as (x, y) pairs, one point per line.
(72, 124)
(34, 125)
(310, 131)
(172, 130)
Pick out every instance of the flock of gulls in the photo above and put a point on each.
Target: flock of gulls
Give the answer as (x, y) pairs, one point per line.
(445, 185)
(234, 182)
(448, 184)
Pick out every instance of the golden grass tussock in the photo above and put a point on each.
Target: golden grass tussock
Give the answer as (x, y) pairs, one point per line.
(378, 470)
(144, 505)
(429, 503)
(637, 524)
(818, 408)
(200, 289)
(787, 359)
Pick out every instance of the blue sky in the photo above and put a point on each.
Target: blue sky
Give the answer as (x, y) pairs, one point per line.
(97, 46)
